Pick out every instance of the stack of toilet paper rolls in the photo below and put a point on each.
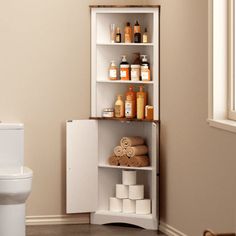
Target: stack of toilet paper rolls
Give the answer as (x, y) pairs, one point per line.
(130, 196)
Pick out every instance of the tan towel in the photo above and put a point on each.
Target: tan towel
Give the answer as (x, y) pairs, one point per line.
(136, 151)
(139, 161)
(124, 160)
(119, 151)
(131, 141)
(113, 161)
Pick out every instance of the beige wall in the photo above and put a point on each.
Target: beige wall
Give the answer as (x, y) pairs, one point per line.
(45, 79)
(197, 162)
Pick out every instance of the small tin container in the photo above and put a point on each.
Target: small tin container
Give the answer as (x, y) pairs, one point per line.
(108, 112)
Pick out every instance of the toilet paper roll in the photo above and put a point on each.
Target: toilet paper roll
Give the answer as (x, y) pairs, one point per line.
(128, 206)
(115, 204)
(129, 177)
(136, 192)
(143, 206)
(122, 191)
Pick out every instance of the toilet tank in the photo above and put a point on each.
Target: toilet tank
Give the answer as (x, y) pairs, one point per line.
(11, 145)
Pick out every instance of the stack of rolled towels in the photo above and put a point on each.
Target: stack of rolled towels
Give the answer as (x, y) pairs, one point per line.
(132, 151)
(130, 196)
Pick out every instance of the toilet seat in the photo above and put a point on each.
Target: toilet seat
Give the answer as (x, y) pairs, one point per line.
(15, 173)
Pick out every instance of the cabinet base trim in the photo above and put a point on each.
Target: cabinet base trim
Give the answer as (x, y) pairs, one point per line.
(106, 217)
(57, 219)
(169, 230)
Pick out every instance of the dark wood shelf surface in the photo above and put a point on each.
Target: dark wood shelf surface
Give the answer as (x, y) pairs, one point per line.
(124, 6)
(123, 119)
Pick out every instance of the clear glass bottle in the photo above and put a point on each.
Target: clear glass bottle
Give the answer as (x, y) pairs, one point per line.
(112, 33)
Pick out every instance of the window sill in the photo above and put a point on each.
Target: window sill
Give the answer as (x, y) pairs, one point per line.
(228, 125)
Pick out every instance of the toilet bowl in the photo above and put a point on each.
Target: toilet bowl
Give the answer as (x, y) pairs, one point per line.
(15, 187)
(15, 180)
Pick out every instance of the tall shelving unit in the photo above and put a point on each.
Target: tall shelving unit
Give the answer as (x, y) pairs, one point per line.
(90, 180)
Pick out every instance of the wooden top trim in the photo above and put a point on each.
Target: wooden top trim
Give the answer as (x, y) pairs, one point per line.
(123, 119)
(124, 6)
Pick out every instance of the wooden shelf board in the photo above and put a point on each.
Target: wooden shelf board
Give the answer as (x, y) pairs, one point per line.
(122, 119)
(124, 82)
(124, 6)
(125, 167)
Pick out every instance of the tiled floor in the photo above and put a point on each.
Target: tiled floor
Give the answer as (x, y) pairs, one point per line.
(87, 230)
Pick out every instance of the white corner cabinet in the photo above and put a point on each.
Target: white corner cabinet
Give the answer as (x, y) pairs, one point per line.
(90, 180)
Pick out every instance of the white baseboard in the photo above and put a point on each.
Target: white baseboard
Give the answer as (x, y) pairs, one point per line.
(57, 219)
(169, 230)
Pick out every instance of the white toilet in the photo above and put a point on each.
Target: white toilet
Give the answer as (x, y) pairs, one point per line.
(15, 180)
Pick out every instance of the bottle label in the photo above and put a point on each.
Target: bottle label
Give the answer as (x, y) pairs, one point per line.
(128, 109)
(137, 38)
(113, 73)
(118, 38)
(145, 73)
(123, 73)
(137, 29)
(127, 38)
(145, 38)
(117, 111)
(134, 73)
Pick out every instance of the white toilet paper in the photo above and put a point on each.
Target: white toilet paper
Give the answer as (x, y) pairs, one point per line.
(136, 192)
(143, 206)
(115, 204)
(129, 177)
(128, 206)
(122, 191)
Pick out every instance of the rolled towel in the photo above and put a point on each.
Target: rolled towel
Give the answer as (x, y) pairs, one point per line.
(119, 151)
(113, 161)
(131, 141)
(124, 160)
(139, 161)
(136, 151)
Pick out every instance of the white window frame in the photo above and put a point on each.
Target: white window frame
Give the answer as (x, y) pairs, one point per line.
(220, 65)
(232, 62)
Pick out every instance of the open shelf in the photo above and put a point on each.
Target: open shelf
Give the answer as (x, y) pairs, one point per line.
(125, 44)
(110, 213)
(122, 119)
(125, 167)
(145, 221)
(124, 82)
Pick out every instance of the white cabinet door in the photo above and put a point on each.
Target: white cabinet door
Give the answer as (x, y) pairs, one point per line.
(81, 166)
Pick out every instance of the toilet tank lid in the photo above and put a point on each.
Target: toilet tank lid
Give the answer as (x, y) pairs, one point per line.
(11, 126)
(22, 172)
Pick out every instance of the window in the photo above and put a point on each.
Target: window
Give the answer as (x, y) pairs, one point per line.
(222, 64)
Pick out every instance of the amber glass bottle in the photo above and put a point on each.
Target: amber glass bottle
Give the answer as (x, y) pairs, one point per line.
(137, 33)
